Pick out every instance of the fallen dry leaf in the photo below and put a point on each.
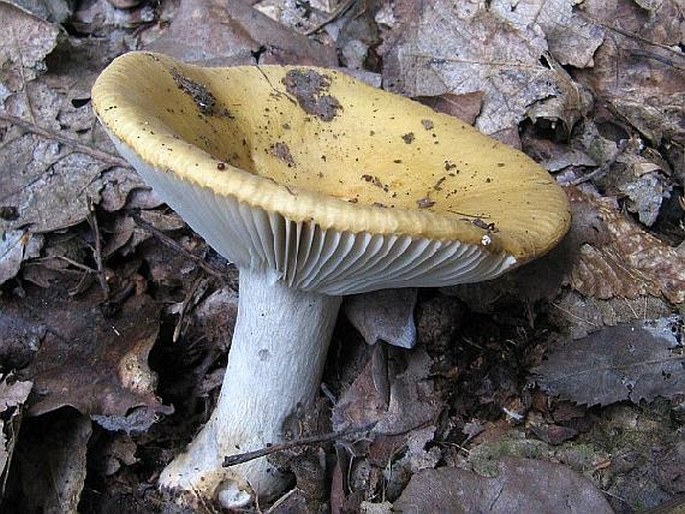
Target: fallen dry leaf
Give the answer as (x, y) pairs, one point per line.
(386, 315)
(415, 457)
(553, 434)
(100, 15)
(618, 258)
(367, 507)
(440, 47)
(466, 106)
(627, 168)
(93, 363)
(571, 37)
(645, 195)
(43, 184)
(50, 178)
(51, 164)
(521, 485)
(126, 234)
(51, 462)
(214, 318)
(438, 320)
(47, 10)
(25, 43)
(50, 188)
(122, 187)
(233, 33)
(118, 452)
(303, 18)
(583, 315)
(638, 69)
(15, 247)
(635, 362)
(365, 401)
(408, 401)
(13, 395)
(20, 339)
(556, 158)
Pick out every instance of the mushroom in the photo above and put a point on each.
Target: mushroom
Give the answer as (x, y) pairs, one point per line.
(316, 186)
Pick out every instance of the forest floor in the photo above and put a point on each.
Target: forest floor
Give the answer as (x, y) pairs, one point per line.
(559, 387)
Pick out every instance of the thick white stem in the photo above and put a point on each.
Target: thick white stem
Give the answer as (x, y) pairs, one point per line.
(275, 365)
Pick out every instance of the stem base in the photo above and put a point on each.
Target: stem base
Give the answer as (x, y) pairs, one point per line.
(275, 364)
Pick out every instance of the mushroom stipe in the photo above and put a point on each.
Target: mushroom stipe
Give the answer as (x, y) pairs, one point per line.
(265, 163)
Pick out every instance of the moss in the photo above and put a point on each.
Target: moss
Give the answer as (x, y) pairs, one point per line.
(484, 458)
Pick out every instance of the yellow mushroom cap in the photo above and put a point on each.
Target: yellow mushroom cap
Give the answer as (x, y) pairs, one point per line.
(337, 186)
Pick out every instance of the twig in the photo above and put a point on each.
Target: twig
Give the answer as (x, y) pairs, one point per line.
(240, 458)
(77, 146)
(171, 243)
(97, 252)
(74, 263)
(198, 289)
(342, 9)
(630, 35)
(575, 316)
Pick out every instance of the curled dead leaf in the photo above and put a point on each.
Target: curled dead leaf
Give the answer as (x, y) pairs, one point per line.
(93, 363)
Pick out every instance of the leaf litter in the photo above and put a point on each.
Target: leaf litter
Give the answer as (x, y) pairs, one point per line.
(565, 80)
(438, 48)
(636, 362)
(520, 485)
(113, 384)
(13, 395)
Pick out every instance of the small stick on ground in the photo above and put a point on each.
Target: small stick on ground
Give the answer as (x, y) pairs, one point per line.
(198, 288)
(240, 458)
(75, 145)
(97, 251)
(342, 9)
(173, 244)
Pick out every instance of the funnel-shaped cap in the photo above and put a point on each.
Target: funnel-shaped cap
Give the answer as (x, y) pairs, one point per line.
(334, 185)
